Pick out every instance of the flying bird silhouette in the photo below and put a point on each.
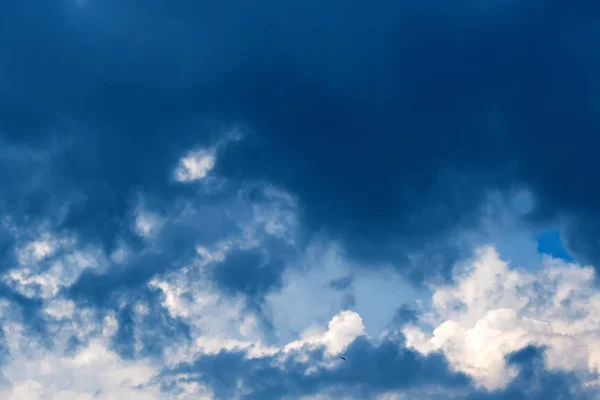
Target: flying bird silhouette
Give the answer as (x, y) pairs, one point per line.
(343, 359)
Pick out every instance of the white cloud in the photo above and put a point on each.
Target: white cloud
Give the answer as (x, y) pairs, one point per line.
(81, 376)
(494, 310)
(44, 246)
(341, 331)
(63, 272)
(491, 311)
(147, 224)
(94, 371)
(187, 295)
(50, 263)
(195, 165)
(34, 371)
(219, 323)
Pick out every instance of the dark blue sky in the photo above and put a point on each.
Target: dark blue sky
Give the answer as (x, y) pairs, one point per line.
(215, 199)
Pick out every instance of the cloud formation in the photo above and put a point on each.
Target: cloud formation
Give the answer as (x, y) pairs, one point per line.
(493, 311)
(220, 200)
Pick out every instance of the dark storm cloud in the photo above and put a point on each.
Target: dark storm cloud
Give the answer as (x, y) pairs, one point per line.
(248, 272)
(185, 225)
(389, 120)
(369, 370)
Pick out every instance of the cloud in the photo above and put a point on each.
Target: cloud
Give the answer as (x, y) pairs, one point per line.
(195, 165)
(307, 367)
(494, 310)
(37, 250)
(119, 105)
(533, 381)
(212, 218)
(147, 224)
(184, 337)
(50, 263)
(48, 366)
(343, 329)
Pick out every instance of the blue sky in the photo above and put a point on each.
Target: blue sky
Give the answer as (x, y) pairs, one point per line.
(220, 200)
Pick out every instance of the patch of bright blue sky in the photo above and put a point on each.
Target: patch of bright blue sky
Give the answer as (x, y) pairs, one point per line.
(550, 242)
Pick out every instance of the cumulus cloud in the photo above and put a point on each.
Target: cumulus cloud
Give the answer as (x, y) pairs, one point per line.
(254, 310)
(491, 313)
(168, 330)
(342, 330)
(494, 309)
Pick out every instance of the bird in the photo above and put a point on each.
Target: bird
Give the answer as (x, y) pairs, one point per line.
(343, 358)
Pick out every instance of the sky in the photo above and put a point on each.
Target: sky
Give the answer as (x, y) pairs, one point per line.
(220, 200)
